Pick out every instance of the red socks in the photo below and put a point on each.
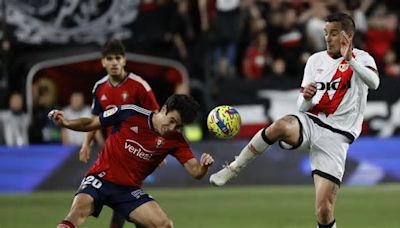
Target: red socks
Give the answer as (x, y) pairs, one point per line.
(65, 224)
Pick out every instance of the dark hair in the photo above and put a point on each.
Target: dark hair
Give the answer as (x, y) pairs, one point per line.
(187, 107)
(345, 20)
(113, 47)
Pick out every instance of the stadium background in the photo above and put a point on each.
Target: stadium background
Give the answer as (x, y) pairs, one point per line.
(56, 43)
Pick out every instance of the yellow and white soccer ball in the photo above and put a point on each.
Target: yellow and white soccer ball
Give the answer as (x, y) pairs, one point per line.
(224, 122)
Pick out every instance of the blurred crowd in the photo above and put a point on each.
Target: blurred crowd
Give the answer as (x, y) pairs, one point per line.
(249, 39)
(262, 38)
(17, 128)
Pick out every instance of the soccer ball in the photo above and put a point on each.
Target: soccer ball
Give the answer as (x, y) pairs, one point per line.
(224, 122)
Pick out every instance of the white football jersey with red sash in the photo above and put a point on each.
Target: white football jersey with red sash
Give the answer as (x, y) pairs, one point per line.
(341, 95)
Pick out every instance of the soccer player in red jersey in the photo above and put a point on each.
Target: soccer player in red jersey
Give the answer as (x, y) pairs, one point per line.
(331, 104)
(118, 87)
(139, 142)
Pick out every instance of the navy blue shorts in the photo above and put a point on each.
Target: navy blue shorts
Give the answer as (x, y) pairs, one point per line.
(122, 199)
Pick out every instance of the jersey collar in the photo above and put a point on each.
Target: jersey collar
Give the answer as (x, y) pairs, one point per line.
(150, 122)
(335, 57)
(119, 83)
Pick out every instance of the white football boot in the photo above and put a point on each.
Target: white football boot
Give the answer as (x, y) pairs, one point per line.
(221, 177)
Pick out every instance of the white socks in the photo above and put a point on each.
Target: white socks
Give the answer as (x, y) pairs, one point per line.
(255, 147)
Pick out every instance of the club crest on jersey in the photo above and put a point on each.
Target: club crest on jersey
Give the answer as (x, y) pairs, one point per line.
(159, 142)
(125, 95)
(343, 67)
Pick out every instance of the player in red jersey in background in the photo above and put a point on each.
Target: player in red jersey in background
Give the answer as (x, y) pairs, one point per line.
(140, 141)
(331, 102)
(118, 87)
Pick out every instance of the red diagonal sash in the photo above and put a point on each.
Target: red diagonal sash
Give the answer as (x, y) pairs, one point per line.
(328, 106)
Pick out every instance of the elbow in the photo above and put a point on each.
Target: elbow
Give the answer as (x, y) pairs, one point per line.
(375, 85)
(300, 109)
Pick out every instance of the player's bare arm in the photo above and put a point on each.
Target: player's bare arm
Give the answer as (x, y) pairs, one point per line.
(197, 169)
(368, 74)
(84, 152)
(80, 124)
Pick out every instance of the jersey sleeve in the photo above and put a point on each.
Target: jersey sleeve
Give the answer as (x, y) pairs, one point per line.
(183, 153)
(96, 107)
(308, 75)
(144, 94)
(367, 60)
(116, 115)
(110, 117)
(147, 99)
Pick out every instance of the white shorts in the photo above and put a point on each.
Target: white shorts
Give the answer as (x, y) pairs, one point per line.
(328, 149)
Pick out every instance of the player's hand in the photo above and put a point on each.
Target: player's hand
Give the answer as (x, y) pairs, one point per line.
(346, 45)
(309, 91)
(206, 160)
(57, 117)
(84, 153)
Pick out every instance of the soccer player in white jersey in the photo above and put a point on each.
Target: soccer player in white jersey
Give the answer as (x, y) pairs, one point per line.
(331, 102)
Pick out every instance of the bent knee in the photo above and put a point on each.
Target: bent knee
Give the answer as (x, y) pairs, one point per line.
(283, 127)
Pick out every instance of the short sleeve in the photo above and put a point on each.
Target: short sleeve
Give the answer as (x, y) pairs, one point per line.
(366, 60)
(183, 153)
(308, 75)
(110, 117)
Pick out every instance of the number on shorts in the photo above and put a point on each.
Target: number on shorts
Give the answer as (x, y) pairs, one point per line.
(91, 180)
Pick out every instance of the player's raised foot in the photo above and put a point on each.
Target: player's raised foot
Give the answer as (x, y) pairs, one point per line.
(224, 175)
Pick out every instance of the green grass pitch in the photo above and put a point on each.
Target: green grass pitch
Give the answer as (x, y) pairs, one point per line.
(261, 206)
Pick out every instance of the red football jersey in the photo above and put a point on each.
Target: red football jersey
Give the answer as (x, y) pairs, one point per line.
(134, 150)
(132, 90)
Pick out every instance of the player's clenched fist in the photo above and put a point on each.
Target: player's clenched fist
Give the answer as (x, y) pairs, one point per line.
(56, 116)
(309, 91)
(206, 160)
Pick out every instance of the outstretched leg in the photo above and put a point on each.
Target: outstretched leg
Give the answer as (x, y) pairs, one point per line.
(286, 129)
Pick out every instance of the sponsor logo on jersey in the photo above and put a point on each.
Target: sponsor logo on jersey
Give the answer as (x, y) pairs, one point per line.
(125, 95)
(110, 112)
(333, 85)
(103, 97)
(137, 149)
